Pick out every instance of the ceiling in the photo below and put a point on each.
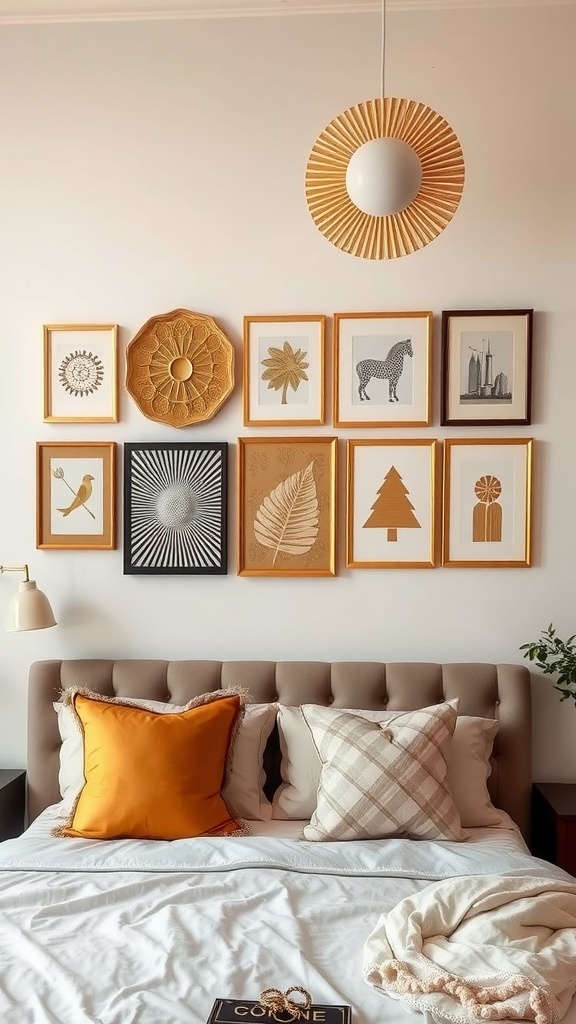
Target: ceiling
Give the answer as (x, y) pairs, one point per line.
(31, 11)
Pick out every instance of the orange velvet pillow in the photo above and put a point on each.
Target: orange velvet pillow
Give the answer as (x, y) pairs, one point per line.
(155, 776)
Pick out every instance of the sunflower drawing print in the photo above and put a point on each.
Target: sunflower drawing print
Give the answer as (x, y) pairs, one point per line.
(81, 373)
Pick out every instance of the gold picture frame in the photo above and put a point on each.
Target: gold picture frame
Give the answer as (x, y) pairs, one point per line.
(487, 502)
(287, 506)
(80, 373)
(283, 362)
(393, 506)
(76, 479)
(382, 369)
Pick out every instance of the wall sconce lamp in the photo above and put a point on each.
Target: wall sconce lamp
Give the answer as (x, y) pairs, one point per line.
(30, 608)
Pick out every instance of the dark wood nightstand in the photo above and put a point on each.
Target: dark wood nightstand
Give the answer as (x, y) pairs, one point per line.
(12, 802)
(554, 823)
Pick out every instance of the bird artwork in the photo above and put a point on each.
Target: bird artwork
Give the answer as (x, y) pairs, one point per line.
(80, 497)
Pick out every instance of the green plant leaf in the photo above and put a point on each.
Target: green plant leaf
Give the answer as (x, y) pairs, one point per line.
(554, 656)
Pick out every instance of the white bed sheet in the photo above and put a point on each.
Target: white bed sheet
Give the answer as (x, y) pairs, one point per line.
(133, 932)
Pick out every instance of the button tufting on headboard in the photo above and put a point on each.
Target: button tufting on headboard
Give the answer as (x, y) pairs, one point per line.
(484, 690)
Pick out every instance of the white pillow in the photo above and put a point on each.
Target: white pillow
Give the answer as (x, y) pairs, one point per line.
(244, 791)
(468, 766)
(384, 779)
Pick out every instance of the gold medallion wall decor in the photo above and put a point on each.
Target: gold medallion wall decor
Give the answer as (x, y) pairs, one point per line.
(180, 368)
(367, 235)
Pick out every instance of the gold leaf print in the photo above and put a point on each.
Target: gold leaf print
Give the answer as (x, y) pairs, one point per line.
(287, 520)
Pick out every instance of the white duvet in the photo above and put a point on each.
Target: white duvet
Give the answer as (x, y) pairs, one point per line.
(135, 932)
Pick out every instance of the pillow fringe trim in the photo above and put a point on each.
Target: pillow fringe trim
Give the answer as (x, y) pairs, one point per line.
(67, 696)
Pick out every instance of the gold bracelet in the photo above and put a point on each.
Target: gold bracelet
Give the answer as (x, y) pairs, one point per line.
(276, 1001)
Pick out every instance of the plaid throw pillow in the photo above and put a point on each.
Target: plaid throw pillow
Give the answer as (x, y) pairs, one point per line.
(384, 779)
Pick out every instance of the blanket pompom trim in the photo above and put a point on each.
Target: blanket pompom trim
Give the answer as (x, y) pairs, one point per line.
(484, 1002)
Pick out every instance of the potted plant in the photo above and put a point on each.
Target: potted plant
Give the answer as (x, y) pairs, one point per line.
(555, 657)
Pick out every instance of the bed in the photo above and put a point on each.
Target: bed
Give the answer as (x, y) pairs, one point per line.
(149, 931)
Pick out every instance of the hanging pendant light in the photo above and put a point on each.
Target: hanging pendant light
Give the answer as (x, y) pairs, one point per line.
(385, 177)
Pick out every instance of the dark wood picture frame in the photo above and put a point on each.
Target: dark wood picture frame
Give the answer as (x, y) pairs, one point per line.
(486, 367)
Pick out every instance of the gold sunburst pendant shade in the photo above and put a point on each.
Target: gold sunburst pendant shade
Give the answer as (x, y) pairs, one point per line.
(420, 131)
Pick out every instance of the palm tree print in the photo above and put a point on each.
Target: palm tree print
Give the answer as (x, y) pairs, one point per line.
(285, 368)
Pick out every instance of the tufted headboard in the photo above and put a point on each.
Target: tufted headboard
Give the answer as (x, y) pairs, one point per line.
(485, 690)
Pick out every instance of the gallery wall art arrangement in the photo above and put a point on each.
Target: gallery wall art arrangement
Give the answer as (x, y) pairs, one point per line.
(409, 502)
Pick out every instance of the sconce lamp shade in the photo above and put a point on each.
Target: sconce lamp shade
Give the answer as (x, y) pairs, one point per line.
(29, 609)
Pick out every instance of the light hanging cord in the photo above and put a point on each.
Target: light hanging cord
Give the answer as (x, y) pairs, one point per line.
(386, 176)
(383, 53)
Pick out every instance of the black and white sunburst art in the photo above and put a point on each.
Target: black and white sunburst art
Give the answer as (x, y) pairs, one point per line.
(175, 508)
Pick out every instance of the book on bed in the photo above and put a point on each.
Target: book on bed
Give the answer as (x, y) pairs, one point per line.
(250, 1011)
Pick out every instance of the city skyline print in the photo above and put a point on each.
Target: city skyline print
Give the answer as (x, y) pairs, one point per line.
(486, 367)
(487, 370)
(175, 508)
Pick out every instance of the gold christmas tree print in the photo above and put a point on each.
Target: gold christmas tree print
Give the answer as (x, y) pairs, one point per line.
(487, 513)
(392, 509)
(285, 368)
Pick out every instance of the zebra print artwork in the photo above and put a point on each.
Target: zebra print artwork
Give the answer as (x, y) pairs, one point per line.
(389, 369)
(383, 367)
(175, 508)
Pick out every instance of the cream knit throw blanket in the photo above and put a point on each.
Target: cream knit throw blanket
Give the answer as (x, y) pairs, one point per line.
(485, 947)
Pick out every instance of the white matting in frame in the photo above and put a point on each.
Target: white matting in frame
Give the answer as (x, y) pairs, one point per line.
(382, 369)
(75, 503)
(284, 370)
(80, 373)
(486, 367)
(487, 501)
(392, 519)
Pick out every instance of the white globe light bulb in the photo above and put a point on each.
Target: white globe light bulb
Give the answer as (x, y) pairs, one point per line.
(383, 176)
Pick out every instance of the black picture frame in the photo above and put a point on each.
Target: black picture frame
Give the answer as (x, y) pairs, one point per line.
(486, 367)
(175, 508)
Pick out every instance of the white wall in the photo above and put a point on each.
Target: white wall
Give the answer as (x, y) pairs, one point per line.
(147, 166)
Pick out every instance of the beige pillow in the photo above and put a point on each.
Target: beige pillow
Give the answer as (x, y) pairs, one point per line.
(468, 766)
(383, 779)
(244, 790)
